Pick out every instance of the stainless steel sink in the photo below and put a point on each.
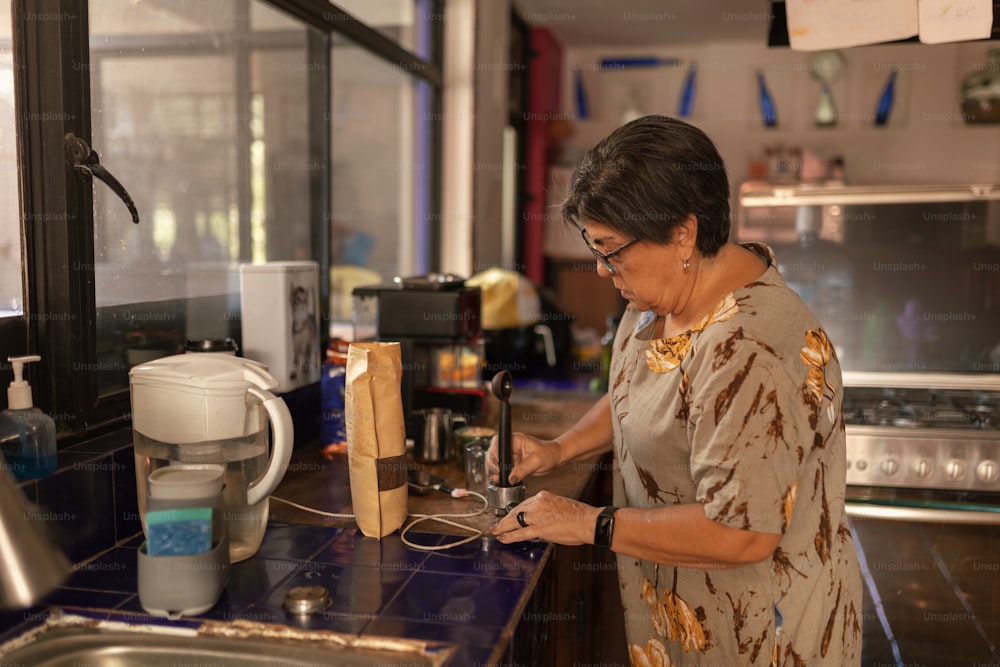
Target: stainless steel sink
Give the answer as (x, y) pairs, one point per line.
(75, 645)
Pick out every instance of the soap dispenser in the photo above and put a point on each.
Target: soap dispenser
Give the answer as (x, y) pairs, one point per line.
(27, 435)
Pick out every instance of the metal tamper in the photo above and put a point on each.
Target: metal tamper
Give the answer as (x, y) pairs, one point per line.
(503, 495)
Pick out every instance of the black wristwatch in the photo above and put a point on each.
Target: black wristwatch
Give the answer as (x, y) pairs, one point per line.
(605, 527)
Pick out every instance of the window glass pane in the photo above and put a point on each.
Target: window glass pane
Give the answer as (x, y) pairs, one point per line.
(400, 20)
(201, 112)
(380, 133)
(11, 267)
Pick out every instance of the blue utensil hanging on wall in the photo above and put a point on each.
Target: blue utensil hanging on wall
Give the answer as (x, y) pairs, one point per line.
(687, 93)
(582, 110)
(767, 110)
(885, 101)
(642, 61)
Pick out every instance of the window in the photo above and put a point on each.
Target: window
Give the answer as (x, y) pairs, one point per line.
(204, 108)
(402, 21)
(381, 118)
(382, 130)
(11, 289)
(220, 117)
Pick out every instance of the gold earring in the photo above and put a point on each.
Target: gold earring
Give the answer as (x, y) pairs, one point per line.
(686, 264)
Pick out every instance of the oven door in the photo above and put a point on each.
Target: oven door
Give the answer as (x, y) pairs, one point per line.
(930, 559)
(932, 581)
(924, 506)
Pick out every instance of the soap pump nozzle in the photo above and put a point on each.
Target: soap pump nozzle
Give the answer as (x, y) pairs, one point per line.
(19, 391)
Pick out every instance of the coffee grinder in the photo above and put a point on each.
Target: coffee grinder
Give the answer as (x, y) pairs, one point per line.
(504, 494)
(436, 321)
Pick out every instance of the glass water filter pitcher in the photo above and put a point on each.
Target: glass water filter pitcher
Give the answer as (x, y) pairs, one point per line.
(213, 408)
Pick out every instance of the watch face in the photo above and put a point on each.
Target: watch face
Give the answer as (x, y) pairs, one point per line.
(827, 66)
(604, 528)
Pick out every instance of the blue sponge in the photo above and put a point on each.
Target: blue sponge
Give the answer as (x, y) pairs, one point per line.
(179, 532)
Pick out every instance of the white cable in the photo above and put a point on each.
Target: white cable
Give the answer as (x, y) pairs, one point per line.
(417, 518)
(332, 515)
(446, 519)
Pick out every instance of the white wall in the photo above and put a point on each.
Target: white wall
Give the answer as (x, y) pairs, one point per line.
(925, 140)
(492, 115)
(477, 50)
(458, 140)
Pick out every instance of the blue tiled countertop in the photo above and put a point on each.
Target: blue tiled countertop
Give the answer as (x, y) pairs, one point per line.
(472, 596)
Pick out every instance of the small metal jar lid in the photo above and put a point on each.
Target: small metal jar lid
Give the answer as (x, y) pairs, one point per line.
(226, 345)
(307, 599)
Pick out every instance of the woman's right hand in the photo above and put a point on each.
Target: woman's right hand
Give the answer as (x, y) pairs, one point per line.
(531, 457)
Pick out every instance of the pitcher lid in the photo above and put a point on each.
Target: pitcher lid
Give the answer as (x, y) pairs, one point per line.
(208, 370)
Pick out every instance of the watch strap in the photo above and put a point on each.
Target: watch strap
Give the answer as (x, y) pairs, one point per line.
(604, 528)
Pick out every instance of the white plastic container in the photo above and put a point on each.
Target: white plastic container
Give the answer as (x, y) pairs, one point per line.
(213, 408)
(280, 320)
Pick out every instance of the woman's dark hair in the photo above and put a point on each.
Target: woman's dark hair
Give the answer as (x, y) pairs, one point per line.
(646, 177)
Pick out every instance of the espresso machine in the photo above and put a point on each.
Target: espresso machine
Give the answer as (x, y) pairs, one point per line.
(436, 321)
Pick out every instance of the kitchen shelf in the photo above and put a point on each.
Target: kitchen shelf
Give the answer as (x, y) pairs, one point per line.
(755, 194)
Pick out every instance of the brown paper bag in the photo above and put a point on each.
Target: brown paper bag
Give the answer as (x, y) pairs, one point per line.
(376, 437)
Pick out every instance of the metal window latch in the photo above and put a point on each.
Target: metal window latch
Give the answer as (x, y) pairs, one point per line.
(87, 163)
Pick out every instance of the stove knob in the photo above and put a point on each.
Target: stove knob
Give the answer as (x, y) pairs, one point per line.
(954, 470)
(889, 467)
(922, 468)
(988, 471)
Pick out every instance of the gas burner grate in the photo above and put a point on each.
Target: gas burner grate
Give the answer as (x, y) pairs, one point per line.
(982, 412)
(921, 408)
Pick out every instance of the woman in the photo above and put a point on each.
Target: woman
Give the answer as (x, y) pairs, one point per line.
(724, 415)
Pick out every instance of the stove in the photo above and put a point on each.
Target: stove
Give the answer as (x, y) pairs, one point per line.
(915, 436)
(923, 498)
(921, 370)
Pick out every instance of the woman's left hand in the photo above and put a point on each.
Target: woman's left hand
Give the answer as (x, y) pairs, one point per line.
(549, 517)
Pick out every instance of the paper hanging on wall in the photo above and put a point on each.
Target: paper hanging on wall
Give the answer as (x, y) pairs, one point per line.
(814, 25)
(955, 20)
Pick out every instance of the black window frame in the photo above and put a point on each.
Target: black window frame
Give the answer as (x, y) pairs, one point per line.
(53, 98)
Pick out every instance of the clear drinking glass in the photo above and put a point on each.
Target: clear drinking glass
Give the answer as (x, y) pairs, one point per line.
(475, 465)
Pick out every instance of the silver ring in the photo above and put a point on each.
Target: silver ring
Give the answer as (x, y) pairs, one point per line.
(520, 520)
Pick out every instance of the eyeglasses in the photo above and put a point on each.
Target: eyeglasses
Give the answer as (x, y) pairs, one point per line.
(605, 259)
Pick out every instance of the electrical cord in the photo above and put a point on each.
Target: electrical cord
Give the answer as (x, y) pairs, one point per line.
(446, 519)
(418, 518)
(332, 515)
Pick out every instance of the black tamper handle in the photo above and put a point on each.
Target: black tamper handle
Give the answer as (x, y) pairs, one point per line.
(502, 386)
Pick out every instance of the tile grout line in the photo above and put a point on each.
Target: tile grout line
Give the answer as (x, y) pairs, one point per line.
(873, 591)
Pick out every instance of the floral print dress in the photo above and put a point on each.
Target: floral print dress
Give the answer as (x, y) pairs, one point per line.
(741, 414)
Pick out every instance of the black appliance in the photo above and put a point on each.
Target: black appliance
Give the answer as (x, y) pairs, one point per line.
(436, 321)
(540, 350)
